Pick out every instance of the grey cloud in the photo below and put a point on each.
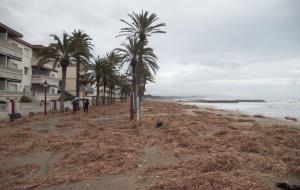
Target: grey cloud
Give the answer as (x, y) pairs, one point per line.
(241, 45)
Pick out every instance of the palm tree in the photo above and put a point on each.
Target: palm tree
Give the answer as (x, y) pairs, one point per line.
(141, 26)
(82, 53)
(96, 74)
(124, 87)
(146, 76)
(111, 60)
(128, 54)
(60, 54)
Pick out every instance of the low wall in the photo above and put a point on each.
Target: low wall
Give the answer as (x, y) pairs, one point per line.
(25, 108)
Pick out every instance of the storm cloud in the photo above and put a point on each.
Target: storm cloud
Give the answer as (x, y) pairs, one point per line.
(248, 48)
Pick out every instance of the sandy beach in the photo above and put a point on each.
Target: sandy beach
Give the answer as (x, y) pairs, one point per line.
(197, 148)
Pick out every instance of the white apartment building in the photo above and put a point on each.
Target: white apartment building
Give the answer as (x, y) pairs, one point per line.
(19, 73)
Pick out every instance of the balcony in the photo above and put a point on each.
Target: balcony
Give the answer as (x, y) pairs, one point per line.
(10, 73)
(39, 79)
(7, 93)
(11, 50)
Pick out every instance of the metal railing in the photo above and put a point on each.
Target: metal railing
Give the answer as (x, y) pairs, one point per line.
(10, 93)
(39, 79)
(10, 69)
(12, 73)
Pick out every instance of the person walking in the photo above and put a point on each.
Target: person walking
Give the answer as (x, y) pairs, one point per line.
(86, 105)
(75, 103)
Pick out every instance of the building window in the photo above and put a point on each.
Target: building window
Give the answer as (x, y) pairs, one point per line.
(52, 91)
(26, 52)
(26, 70)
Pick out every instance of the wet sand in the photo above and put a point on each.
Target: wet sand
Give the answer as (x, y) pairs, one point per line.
(197, 148)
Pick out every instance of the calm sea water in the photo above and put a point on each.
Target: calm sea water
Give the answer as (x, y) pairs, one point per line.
(271, 108)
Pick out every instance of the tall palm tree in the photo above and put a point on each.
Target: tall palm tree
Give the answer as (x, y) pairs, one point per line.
(97, 72)
(111, 60)
(58, 53)
(141, 26)
(82, 53)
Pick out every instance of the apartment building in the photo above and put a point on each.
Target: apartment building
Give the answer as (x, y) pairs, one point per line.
(19, 73)
(71, 82)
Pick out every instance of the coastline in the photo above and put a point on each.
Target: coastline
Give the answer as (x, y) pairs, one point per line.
(197, 148)
(236, 110)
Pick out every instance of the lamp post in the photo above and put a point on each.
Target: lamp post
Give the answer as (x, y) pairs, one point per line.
(45, 85)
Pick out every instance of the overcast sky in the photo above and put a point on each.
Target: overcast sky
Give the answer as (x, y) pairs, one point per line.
(239, 48)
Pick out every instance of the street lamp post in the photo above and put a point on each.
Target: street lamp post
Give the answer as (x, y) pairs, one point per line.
(45, 85)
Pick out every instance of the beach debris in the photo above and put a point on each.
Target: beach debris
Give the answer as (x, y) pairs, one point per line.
(291, 118)
(216, 152)
(287, 186)
(159, 124)
(259, 116)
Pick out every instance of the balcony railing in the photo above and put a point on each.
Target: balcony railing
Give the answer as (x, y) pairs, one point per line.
(41, 96)
(87, 89)
(11, 50)
(39, 79)
(8, 93)
(10, 73)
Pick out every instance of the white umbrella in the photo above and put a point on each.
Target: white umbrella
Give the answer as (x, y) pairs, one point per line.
(75, 99)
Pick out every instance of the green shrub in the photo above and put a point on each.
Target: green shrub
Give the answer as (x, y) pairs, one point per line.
(25, 99)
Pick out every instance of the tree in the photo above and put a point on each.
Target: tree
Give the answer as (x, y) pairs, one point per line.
(143, 25)
(146, 76)
(58, 53)
(124, 87)
(97, 72)
(111, 60)
(82, 53)
(128, 55)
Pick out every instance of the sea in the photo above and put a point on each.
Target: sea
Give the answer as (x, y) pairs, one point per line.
(270, 108)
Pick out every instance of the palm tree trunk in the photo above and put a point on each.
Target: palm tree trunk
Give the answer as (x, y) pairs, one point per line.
(104, 90)
(140, 62)
(77, 77)
(98, 92)
(62, 87)
(134, 85)
(111, 96)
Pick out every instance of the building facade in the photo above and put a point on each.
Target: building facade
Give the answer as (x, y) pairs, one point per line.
(19, 73)
(70, 87)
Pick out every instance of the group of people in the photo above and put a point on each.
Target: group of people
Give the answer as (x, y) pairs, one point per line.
(75, 103)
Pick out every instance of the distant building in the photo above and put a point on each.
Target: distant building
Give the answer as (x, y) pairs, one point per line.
(70, 87)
